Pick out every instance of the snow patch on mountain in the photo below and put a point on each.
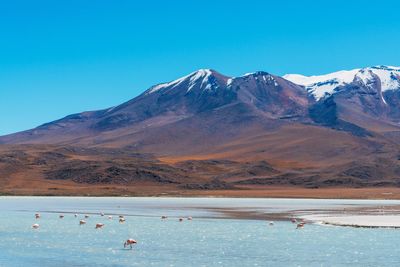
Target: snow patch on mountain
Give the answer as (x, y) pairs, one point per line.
(389, 76)
(261, 75)
(203, 74)
(366, 77)
(322, 85)
(258, 75)
(194, 77)
(166, 85)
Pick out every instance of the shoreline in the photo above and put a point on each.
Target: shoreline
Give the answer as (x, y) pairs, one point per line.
(366, 221)
(360, 226)
(384, 193)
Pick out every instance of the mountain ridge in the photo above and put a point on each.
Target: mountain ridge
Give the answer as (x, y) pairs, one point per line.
(207, 89)
(208, 130)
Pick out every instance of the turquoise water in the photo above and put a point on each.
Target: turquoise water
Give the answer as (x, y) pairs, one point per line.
(205, 241)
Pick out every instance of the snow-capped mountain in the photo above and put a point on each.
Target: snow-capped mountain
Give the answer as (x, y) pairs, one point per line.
(210, 80)
(205, 79)
(358, 97)
(322, 85)
(335, 129)
(202, 95)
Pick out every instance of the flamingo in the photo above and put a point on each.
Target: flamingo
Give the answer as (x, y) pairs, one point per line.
(82, 222)
(99, 225)
(300, 225)
(130, 242)
(293, 220)
(37, 215)
(35, 226)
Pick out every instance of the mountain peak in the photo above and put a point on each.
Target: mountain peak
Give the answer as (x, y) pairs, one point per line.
(256, 73)
(203, 72)
(205, 78)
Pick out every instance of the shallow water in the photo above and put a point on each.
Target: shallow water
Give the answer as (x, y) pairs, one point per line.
(202, 242)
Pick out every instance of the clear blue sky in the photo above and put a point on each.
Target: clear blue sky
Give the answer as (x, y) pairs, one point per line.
(62, 57)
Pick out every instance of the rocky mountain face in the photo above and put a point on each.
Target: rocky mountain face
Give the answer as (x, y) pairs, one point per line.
(202, 95)
(257, 129)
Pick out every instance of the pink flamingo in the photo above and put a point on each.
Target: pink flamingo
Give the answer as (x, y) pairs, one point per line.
(130, 242)
(99, 225)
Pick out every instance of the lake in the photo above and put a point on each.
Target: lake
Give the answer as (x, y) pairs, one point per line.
(210, 239)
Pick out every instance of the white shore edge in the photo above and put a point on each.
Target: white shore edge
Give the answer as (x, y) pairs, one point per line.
(365, 221)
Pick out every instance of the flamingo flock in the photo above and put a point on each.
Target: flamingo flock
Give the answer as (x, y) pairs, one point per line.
(131, 242)
(299, 223)
(128, 243)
